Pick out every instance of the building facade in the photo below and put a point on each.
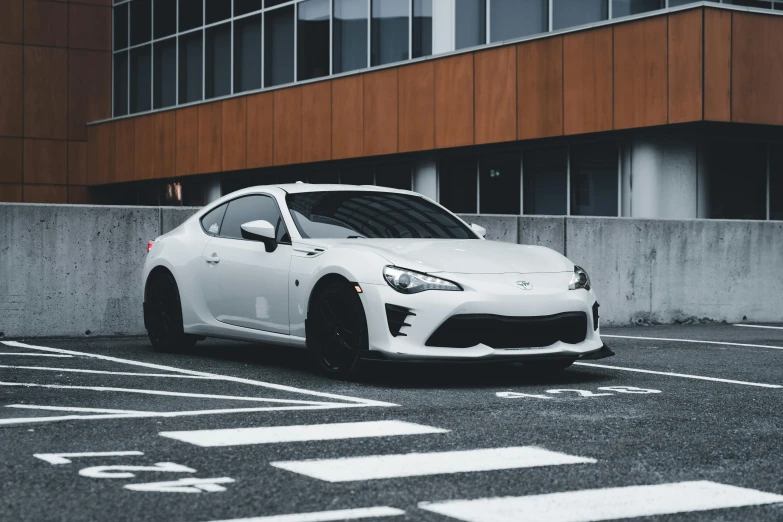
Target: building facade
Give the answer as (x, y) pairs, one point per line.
(643, 108)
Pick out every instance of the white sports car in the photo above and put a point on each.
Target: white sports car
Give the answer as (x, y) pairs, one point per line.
(355, 273)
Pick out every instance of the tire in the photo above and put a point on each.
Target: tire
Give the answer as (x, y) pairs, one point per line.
(337, 331)
(544, 368)
(164, 327)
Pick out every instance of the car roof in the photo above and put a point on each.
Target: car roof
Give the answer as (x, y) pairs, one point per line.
(298, 188)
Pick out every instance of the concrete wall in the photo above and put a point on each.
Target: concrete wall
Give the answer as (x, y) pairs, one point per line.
(66, 270)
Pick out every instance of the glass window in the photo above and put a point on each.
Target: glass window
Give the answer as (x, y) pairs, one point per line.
(141, 76)
(217, 61)
(350, 35)
(545, 184)
(632, 7)
(246, 6)
(516, 18)
(121, 83)
(141, 21)
(568, 13)
(363, 175)
(165, 18)
(389, 36)
(313, 35)
(776, 182)
(247, 54)
(750, 3)
(191, 14)
(499, 184)
(121, 27)
(345, 214)
(422, 28)
(165, 73)
(190, 67)
(279, 46)
(457, 182)
(324, 177)
(470, 23)
(736, 180)
(212, 220)
(217, 10)
(252, 208)
(594, 179)
(272, 3)
(396, 176)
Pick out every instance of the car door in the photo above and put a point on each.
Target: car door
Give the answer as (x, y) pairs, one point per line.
(253, 282)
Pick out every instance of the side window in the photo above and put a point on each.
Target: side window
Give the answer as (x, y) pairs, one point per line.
(211, 221)
(252, 208)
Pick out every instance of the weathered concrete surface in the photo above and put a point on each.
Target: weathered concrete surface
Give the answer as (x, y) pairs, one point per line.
(499, 228)
(172, 217)
(548, 231)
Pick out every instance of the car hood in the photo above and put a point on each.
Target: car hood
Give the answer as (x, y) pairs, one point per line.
(458, 256)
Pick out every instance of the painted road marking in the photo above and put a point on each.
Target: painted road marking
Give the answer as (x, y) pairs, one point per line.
(760, 326)
(720, 343)
(104, 372)
(592, 505)
(186, 485)
(276, 434)
(581, 393)
(69, 408)
(683, 375)
(122, 471)
(420, 464)
(35, 354)
(65, 458)
(327, 516)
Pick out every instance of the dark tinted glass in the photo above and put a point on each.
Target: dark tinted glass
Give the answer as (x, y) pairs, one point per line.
(313, 36)
(324, 177)
(211, 221)
(736, 180)
(246, 6)
(357, 176)
(516, 18)
(121, 83)
(191, 14)
(470, 23)
(457, 179)
(121, 27)
(422, 28)
(545, 172)
(141, 21)
(190, 67)
(247, 54)
(594, 180)
(776, 182)
(632, 7)
(750, 3)
(165, 17)
(217, 10)
(217, 61)
(499, 184)
(252, 208)
(141, 76)
(165, 73)
(349, 34)
(343, 214)
(272, 3)
(389, 36)
(394, 176)
(279, 46)
(569, 13)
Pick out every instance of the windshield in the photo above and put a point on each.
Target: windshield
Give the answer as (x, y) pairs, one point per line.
(365, 214)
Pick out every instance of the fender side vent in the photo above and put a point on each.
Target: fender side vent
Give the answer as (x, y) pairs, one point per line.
(396, 316)
(595, 315)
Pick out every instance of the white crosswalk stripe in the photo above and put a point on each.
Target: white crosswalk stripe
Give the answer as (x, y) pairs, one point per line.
(419, 464)
(593, 505)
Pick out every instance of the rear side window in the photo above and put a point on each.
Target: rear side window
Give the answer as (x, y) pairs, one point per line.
(211, 221)
(252, 208)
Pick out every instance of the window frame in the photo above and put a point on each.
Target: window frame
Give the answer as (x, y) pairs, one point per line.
(259, 194)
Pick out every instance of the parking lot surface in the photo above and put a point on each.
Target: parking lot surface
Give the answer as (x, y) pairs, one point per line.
(683, 424)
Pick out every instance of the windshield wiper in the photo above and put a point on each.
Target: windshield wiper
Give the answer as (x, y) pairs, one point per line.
(356, 237)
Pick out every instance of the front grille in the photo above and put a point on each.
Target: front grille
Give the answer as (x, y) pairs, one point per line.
(498, 331)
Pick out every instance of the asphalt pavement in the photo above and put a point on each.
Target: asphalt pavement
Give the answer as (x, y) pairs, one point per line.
(684, 423)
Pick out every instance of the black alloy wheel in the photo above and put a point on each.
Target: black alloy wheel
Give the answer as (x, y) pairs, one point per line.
(164, 325)
(337, 330)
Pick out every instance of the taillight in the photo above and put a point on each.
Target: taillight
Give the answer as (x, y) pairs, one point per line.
(149, 246)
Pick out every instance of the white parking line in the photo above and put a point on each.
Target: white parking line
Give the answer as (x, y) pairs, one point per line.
(35, 354)
(104, 372)
(760, 326)
(683, 375)
(720, 343)
(277, 434)
(592, 505)
(327, 516)
(420, 464)
(69, 408)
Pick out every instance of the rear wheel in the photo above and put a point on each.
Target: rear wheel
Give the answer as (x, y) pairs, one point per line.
(164, 322)
(337, 330)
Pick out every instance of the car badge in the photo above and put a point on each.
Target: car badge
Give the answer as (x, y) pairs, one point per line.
(524, 285)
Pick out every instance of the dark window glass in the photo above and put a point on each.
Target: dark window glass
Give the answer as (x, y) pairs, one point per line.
(389, 36)
(516, 18)
(758, 4)
(252, 208)
(217, 61)
(165, 73)
(568, 13)
(324, 177)
(632, 7)
(776, 182)
(364, 175)
(190, 67)
(457, 182)
(247, 54)
(350, 35)
(422, 28)
(279, 46)
(470, 23)
(499, 188)
(545, 172)
(246, 6)
(313, 36)
(165, 18)
(736, 180)
(121, 83)
(343, 214)
(141, 75)
(217, 10)
(191, 14)
(272, 3)
(594, 180)
(394, 176)
(121, 27)
(211, 221)
(675, 3)
(141, 21)
(193, 194)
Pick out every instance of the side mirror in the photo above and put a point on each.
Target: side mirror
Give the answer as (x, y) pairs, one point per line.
(479, 230)
(262, 231)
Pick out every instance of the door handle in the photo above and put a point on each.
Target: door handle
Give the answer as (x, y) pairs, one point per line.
(212, 260)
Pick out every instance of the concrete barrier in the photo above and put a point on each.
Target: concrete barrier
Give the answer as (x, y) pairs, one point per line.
(76, 270)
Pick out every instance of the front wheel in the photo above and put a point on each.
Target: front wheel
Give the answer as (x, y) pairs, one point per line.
(337, 330)
(164, 316)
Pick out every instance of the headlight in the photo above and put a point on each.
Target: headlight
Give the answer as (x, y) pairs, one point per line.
(410, 282)
(580, 279)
